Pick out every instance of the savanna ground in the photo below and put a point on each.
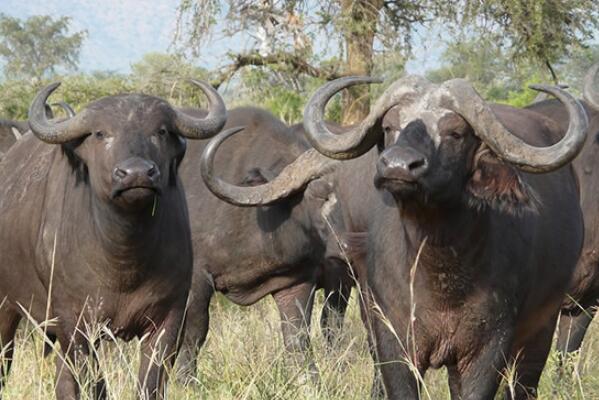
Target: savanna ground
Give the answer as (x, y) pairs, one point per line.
(244, 359)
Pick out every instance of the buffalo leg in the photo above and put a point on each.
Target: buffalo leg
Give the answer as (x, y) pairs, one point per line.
(479, 378)
(572, 329)
(9, 321)
(531, 362)
(399, 379)
(455, 385)
(158, 352)
(71, 364)
(377, 391)
(295, 308)
(75, 361)
(196, 325)
(333, 312)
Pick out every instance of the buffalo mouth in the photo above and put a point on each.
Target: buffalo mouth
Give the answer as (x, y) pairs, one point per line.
(135, 192)
(396, 185)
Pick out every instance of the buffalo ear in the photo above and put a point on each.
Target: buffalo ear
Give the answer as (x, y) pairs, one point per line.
(77, 164)
(499, 186)
(254, 177)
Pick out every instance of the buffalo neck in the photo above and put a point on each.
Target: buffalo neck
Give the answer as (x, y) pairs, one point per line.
(125, 241)
(447, 243)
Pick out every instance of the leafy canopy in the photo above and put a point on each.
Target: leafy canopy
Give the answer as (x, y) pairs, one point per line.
(37, 47)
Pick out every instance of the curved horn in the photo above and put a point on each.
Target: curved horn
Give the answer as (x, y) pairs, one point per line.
(211, 124)
(294, 177)
(365, 135)
(542, 96)
(351, 144)
(459, 96)
(68, 110)
(53, 132)
(589, 93)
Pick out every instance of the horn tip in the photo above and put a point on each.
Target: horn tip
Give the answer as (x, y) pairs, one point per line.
(539, 87)
(198, 82)
(234, 130)
(54, 85)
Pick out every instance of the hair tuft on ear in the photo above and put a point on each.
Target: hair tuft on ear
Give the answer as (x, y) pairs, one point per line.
(254, 177)
(498, 186)
(77, 164)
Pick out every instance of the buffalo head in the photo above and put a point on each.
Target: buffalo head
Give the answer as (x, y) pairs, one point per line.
(126, 147)
(444, 143)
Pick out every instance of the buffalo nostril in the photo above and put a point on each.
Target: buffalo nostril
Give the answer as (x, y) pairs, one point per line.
(417, 164)
(120, 173)
(152, 171)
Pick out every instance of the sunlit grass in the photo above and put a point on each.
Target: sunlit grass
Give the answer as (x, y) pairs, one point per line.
(244, 359)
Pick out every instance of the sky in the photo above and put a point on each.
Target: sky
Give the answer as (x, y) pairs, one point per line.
(120, 32)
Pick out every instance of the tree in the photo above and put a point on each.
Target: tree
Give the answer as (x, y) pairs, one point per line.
(303, 37)
(37, 47)
(164, 75)
(538, 31)
(485, 63)
(77, 90)
(573, 68)
(296, 36)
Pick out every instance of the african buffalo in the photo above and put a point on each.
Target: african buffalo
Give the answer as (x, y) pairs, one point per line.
(95, 230)
(581, 303)
(249, 253)
(474, 236)
(12, 130)
(347, 211)
(466, 255)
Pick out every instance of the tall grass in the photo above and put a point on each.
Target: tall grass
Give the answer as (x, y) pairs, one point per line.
(244, 358)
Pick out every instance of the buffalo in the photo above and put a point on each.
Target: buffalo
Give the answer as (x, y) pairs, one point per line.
(465, 248)
(13, 130)
(249, 253)
(581, 302)
(10, 132)
(346, 211)
(95, 230)
(474, 236)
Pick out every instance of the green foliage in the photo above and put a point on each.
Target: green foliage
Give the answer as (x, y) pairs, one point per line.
(77, 90)
(573, 69)
(495, 75)
(261, 88)
(164, 75)
(539, 30)
(37, 47)
(156, 74)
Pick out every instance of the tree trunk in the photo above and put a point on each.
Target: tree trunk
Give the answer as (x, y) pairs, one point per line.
(360, 19)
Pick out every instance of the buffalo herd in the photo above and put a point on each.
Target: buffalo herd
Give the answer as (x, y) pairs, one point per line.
(467, 228)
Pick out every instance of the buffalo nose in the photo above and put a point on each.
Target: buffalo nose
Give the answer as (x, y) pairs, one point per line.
(403, 163)
(134, 168)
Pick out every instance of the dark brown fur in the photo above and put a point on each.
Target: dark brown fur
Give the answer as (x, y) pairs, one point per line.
(75, 252)
(250, 253)
(583, 295)
(481, 265)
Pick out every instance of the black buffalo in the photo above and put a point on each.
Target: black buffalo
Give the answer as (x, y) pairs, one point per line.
(474, 236)
(249, 253)
(580, 305)
(95, 230)
(463, 255)
(13, 130)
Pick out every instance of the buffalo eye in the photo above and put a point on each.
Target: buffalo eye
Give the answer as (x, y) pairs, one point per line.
(99, 135)
(162, 132)
(456, 135)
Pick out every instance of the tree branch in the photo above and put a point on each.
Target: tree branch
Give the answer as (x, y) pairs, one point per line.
(291, 61)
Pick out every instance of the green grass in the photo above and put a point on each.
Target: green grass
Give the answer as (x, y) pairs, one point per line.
(244, 359)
